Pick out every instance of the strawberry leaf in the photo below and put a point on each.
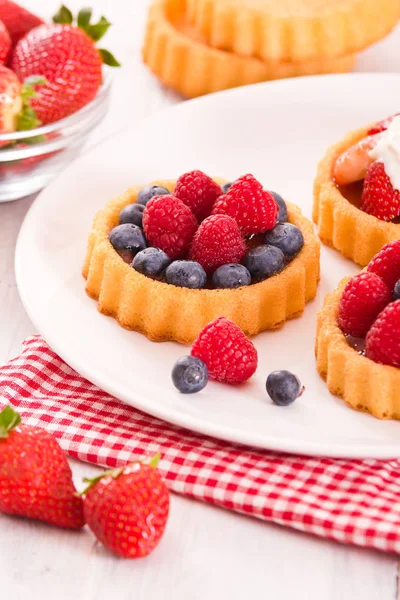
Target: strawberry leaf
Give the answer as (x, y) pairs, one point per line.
(84, 16)
(9, 419)
(27, 119)
(108, 58)
(98, 30)
(63, 16)
(114, 473)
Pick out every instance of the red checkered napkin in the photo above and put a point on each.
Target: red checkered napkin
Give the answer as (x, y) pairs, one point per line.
(351, 501)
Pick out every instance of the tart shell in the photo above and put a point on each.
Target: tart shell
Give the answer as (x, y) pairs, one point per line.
(341, 225)
(165, 312)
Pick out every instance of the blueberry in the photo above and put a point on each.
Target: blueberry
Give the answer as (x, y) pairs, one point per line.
(127, 237)
(133, 213)
(396, 291)
(286, 237)
(149, 191)
(283, 387)
(151, 262)
(189, 375)
(231, 276)
(282, 214)
(264, 261)
(225, 186)
(186, 273)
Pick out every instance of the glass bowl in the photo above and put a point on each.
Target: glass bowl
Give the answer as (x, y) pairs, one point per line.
(37, 156)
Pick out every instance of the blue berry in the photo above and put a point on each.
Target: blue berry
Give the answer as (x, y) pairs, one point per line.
(283, 213)
(127, 237)
(189, 375)
(396, 291)
(231, 276)
(264, 261)
(149, 191)
(225, 186)
(151, 262)
(286, 237)
(133, 213)
(283, 387)
(186, 273)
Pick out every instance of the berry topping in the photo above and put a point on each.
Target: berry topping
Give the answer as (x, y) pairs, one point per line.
(149, 191)
(386, 264)
(379, 198)
(286, 237)
(283, 387)
(229, 355)
(282, 208)
(186, 273)
(169, 224)
(127, 237)
(189, 375)
(133, 213)
(151, 262)
(198, 191)
(381, 125)
(363, 298)
(264, 261)
(217, 242)
(382, 342)
(226, 186)
(231, 276)
(352, 164)
(396, 291)
(253, 208)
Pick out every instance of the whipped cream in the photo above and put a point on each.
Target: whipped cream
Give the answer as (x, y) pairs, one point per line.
(387, 150)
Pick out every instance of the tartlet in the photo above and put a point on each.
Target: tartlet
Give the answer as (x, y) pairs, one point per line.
(166, 312)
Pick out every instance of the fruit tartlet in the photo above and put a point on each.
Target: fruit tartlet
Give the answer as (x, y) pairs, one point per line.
(356, 191)
(358, 333)
(168, 258)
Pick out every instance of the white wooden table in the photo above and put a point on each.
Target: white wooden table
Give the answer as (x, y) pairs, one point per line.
(206, 553)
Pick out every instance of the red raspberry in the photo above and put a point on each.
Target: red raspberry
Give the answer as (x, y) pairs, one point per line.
(169, 224)
(229, 355)
(198, 191)
(254, 209)
(386, 264)
(379, 198)
(382, 342)
(363, 298)
(217, 242)
(381, 125)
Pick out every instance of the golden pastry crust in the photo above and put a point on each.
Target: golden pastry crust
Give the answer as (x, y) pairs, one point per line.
(364, 384)
(178, 56)
(293, 30)
(341, 225)
(165, 312)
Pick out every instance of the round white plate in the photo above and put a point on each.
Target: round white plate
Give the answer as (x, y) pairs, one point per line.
(277, 131)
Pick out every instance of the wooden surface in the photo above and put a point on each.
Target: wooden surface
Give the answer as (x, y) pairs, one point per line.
(207, 553)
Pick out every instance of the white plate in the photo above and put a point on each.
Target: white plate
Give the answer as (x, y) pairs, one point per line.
(278, 131)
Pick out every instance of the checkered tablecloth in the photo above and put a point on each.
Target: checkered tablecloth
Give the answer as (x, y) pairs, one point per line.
(351, 501)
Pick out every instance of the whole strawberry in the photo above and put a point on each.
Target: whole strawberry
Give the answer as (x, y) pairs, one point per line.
(199, 192)
(386, 264)
(67, 57)
(127, 508)
(17, 19)
(228, 354)
(218, 241)
(379, 198)
(35, 477)
(382, 342)
(253, 208)
(5, 43)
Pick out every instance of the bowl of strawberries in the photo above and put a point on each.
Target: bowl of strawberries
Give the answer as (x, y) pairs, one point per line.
(53, 93)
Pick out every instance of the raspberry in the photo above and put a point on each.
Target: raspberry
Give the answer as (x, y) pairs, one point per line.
(382, 342)
(217, 242)
(229, 355)
(379, 198)
(253, 208)
(169, 224)
(363, 298)
(381, 125)
(198, 191)
(386, 264)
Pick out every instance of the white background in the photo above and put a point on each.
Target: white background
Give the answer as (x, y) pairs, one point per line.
(206, 553)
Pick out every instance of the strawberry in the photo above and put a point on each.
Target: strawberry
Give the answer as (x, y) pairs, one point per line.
(17, 19)
(380, 125)
(127, 508)
(382, 342)
(169, 224)
(35, 477)
(379, 198)
(228, 354)
(67, 57)
(363, 298)
(5, 43)
(386, 264)
(198, 191)
(218, 241)
(10, 100)
(254, 209)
